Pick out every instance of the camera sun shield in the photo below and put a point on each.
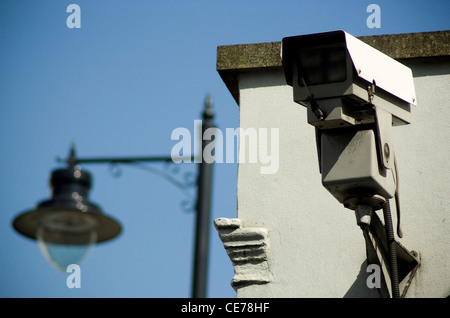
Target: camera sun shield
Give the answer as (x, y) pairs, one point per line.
(336, 70)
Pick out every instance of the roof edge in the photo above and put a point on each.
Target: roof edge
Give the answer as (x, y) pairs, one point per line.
(234, 59)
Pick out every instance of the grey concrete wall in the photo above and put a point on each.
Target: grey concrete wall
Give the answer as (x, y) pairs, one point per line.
(315, 247)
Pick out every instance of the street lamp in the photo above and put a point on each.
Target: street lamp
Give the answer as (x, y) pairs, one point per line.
(68, 225)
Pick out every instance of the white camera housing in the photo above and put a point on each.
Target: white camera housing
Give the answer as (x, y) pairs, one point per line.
(353, 94)
(337, 65)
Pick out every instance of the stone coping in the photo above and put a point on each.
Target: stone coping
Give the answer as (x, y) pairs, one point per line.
(234, 59)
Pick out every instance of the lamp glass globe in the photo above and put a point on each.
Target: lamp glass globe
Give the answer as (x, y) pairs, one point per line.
(66, 238)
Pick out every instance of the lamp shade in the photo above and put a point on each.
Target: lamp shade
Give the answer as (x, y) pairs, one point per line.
(68, 225)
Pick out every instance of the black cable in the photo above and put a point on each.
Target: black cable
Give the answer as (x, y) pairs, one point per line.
(392, 251)
(313, 104)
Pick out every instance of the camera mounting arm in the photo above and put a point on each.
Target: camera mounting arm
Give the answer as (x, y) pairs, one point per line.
(383, 120)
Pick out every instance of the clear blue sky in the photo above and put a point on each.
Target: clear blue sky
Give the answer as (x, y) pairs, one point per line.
(119, 86)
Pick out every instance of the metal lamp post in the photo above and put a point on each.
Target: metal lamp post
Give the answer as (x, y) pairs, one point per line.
(68, 225)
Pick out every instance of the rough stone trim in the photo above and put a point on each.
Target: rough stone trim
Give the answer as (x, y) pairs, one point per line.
(247, 249)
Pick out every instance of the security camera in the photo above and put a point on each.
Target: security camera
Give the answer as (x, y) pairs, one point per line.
(353, 94)
(340, 78)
